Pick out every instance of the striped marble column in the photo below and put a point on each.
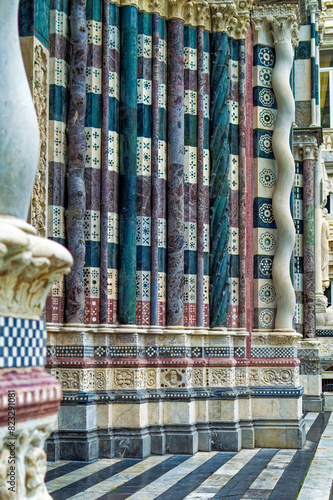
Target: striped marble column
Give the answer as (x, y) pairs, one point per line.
(162, 173)
(306, 148)
(112, 187)
(57, 148)
(175, 283)
(103, 306)
(128, 165)
(202, 209)
(313, 7)
(264, 179)
(190, 176)
(144, 181)
(234, 235)
(93, 124)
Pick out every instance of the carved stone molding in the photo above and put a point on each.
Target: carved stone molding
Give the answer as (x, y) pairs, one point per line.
(231, 17)
(282, 20)
(40, 97)
(197, 13)
(29, 265)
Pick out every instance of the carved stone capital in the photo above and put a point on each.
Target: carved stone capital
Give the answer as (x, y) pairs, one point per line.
(158, 6)
(29, 265)
(306, 142)
(176, 9)
(197, 13)
(282, 20)
(231, 17)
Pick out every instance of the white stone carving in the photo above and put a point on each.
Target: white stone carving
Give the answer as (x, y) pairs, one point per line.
(283, 21)
(28, 267)
(30, 460)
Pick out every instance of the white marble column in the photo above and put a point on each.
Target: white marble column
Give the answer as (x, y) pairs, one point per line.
(284, 29)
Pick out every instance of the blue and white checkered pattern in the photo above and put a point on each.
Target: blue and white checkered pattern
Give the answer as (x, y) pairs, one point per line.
(22, 342)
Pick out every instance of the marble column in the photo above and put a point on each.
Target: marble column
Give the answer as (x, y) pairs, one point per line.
(308, 151)
(155, 191)
(127, 167)
(200, 176)
(103, 308)
(219, 189)
(29, 397)
(242, 183)
(284, 29)
(175, 282)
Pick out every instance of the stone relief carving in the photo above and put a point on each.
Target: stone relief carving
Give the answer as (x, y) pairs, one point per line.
(124, 379)
(40, 92)
(69, 379)
(173, 377)
(220, 377)
(101, 377)
(326, 347)
(30, 461)
(274, 340)
(151, 378)
(240, 376)
(28, 267)
(309, 368)
(275, 376)
(197, 377)
(254, 376)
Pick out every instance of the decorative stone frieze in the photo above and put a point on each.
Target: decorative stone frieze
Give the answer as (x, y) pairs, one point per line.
(231, 17)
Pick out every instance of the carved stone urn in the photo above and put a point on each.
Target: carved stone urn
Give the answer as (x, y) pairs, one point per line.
(19, 136)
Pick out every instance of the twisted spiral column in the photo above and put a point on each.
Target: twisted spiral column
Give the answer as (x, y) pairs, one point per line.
(282, 32)
(219, 189)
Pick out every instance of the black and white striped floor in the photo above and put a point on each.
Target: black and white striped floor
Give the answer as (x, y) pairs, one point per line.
(277, 474)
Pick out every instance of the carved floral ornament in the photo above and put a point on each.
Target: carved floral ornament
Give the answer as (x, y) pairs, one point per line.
(283, 21)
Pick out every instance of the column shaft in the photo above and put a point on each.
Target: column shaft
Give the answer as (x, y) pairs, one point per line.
(175, 285)
(219, 188)
(309, 253)
(127, 168)
(155, 192)
(76, 163)
(242, 183)
(104, 167)
(200, 179)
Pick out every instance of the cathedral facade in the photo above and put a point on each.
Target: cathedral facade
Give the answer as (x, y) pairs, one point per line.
(181, 165)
